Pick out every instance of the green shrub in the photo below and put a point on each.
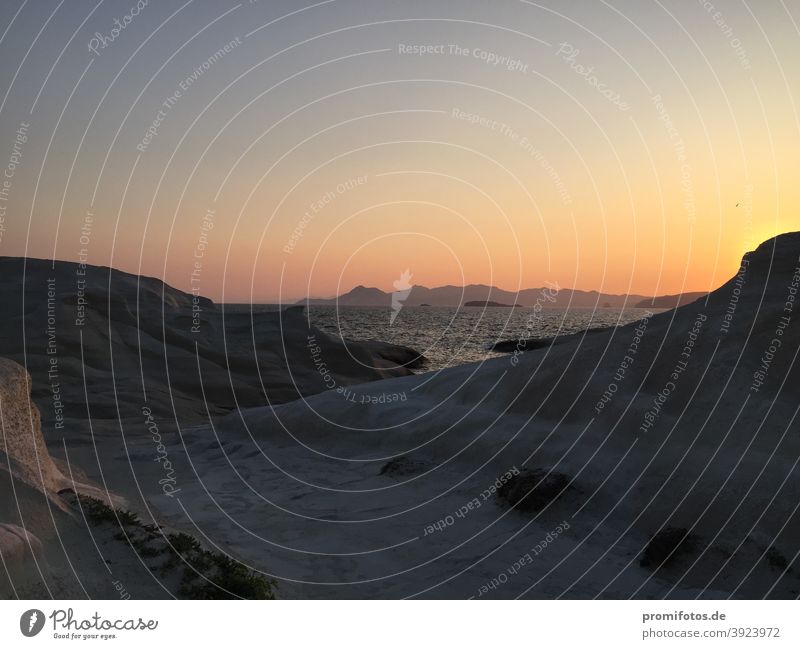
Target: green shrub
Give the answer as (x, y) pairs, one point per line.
(203, 574)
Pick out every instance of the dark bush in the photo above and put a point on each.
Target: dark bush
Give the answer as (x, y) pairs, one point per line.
(533, 490)
(98, 512)
(401, 466)
(668, 545)
(776, 560)
(225, 578)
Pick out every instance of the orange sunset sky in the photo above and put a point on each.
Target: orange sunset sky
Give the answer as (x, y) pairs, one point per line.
(622, 147)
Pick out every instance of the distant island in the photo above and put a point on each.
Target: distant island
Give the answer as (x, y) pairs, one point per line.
(484, 295)
(485, 303)
(669, 301)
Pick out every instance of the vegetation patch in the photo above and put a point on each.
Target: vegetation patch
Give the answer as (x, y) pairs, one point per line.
(667, 546)
(532, 490)
(401, 466)
(776, 559)
(201, 573)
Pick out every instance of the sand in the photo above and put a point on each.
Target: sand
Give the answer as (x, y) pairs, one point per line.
(678, 431)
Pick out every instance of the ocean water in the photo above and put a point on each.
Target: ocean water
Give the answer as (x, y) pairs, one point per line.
(453, 335)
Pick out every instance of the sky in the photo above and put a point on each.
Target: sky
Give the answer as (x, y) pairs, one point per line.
(264, 151)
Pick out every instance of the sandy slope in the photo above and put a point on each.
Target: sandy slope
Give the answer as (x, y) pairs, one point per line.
(298, 492)
(46, 548)
(389, 488)
(135, 340)
(103, 347)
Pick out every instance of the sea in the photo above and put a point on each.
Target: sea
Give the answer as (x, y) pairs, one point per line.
(449, 336)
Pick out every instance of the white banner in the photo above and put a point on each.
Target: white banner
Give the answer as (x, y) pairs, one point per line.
(385, 625)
